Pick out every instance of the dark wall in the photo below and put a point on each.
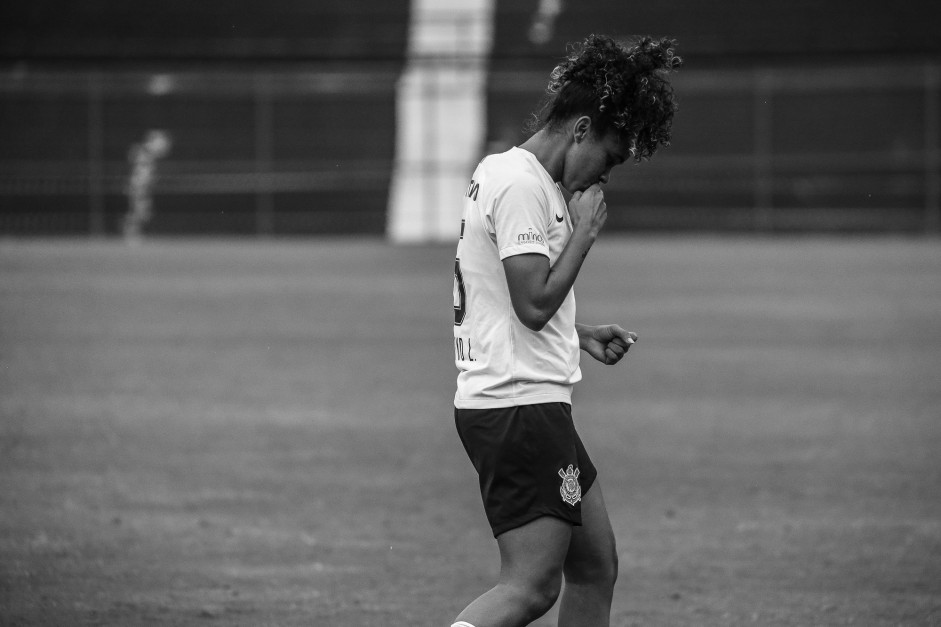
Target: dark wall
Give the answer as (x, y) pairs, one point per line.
(741, 31)
(112, 30)
(750, 32)
(331, 121)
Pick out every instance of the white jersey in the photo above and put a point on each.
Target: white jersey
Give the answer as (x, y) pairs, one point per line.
(511, 207)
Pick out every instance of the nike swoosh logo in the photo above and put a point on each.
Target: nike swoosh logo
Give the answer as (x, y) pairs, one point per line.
(559, 218)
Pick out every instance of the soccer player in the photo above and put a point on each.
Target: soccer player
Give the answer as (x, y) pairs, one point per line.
(517, 342)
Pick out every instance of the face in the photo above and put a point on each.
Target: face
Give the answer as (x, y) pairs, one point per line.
(590, 158)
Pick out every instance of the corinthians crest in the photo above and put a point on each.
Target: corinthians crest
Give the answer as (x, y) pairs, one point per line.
(571, 492)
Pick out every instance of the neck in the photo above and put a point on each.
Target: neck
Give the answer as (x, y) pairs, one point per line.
(549, 149)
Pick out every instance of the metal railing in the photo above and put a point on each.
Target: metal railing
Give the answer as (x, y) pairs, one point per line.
(774, 173)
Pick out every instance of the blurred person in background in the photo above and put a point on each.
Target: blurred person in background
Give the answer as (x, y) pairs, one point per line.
(143, 158)
(517, 342)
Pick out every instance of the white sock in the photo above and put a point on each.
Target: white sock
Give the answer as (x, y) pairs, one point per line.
(461, 624)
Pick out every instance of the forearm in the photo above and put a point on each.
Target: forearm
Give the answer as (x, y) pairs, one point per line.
(561, 276)
(563, 273)
(589, 342)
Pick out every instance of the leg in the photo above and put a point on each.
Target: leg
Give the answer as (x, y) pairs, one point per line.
(591, 567)
(531, 560)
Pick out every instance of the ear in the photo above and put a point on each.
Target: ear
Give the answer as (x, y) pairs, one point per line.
(581, 128)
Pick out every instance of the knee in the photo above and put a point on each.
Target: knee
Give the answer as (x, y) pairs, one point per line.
(604, 572)
(538, 597)
(543, 597)
(611, 567)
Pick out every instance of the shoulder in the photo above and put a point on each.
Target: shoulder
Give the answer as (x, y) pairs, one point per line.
(508, 174)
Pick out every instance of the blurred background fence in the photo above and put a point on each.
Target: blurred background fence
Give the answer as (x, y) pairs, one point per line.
(800, 116)
(252, 151)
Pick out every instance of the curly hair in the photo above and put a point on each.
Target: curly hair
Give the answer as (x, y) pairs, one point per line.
(619, 86)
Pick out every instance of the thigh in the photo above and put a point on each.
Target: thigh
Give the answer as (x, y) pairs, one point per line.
(592, 550)
(535, 552)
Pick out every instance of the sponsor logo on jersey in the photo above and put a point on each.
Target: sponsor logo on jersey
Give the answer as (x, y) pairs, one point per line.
(530, 236)
(571, 492)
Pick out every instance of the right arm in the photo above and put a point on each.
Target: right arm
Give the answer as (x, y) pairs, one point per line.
(538, 290)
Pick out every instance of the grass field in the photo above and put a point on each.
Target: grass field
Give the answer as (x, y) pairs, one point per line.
(249, 433)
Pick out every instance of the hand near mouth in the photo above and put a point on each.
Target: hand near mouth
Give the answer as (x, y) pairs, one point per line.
(588, 209)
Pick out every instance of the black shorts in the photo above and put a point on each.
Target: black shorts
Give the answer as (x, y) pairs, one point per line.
(530, 462)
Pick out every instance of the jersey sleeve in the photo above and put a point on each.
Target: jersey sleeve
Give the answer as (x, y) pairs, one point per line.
(519, 218)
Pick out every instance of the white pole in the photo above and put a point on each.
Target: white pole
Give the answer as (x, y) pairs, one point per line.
(440, 117)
